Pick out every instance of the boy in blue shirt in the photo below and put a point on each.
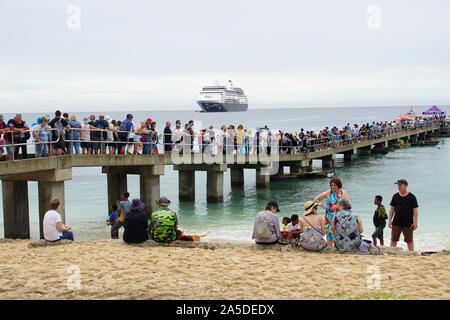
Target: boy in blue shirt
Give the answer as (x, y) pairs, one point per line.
(113, 218)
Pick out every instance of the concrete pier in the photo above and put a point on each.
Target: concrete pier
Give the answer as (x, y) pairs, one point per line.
(186, 185)
(328, 161)
(150, 187)
(214, 182)
(237, 177)
(15, 209)
(262, 180)
(117, 185)
(47, 192)
(349, 155)
(365, 151)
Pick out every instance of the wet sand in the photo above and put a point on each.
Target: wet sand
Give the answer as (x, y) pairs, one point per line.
(113, 270)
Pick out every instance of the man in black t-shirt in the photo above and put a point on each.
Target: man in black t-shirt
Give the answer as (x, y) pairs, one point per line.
(404, 208)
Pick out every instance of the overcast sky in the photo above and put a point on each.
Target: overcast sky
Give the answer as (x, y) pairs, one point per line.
(150, 55)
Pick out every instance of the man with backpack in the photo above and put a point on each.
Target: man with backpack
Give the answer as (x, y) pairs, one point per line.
(266, 229)
(125, 128)
(58, 123)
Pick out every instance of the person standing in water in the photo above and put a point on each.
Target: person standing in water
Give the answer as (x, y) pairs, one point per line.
(333, 196)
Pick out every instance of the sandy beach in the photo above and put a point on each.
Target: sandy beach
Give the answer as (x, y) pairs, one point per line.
(114, 270)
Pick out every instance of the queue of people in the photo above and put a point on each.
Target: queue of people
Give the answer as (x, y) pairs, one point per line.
(65, 134)
(341, 226)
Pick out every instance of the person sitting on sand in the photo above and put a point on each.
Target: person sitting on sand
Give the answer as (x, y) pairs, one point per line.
(266, 229)
(347, 227)
(312, 228)
(293, 228)
(285, 222)
(164, 222)
(54, 230)
(135, 223)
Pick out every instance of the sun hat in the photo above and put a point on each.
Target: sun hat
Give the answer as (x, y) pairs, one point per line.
(108, 118)
(309, 206)
(136, 204)
(149, 119)
(163, 201)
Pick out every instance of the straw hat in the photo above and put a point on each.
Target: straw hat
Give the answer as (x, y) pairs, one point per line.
(309, 206)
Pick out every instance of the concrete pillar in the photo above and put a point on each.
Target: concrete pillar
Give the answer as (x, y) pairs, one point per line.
(280, 168)
(150, 187)
(117, 184)
(295, 169)
(15, 209)
(328, 161)
(306, 165)
(237, 177)
(364, 151)
(349, 155)
(262, 181)
(214, 186)
(48, 191)
(186, 185)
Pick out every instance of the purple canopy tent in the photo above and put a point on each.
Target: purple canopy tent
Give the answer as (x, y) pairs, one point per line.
(433, 110)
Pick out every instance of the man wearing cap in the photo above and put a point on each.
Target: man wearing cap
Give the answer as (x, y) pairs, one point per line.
(270, 218)
(164, 222)
(404, 209)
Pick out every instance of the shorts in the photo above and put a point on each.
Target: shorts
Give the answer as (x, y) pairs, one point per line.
(59, 144)
(407, 234)
(86, 145)
(378, 233)
(168, 147)
(9, 148)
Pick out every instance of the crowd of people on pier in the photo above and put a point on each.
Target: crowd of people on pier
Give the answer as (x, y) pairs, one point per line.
(340, 226)
(66, 134)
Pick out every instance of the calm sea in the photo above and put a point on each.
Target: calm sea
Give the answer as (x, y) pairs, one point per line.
(425, 168)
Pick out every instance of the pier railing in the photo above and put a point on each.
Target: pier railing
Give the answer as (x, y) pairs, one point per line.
(105, 141)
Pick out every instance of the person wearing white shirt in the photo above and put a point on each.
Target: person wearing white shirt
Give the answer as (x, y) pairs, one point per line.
(54, 230)
(293, 228)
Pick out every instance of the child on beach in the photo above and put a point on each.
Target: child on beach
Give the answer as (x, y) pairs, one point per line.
(113, 219)
(379, 220)
(293, 228)
(285, 222)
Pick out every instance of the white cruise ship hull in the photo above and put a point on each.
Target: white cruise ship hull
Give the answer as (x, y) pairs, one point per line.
(211, 106)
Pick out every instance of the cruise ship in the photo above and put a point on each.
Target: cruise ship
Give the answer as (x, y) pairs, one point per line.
(222, 99)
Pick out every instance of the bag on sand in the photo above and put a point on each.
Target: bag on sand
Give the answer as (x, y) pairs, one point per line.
(262, 229)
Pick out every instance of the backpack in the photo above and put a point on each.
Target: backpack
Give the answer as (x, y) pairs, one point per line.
(262, 228)
(123, 127)
(59, 126)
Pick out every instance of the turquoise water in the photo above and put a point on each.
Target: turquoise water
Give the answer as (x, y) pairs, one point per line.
(425, 168)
